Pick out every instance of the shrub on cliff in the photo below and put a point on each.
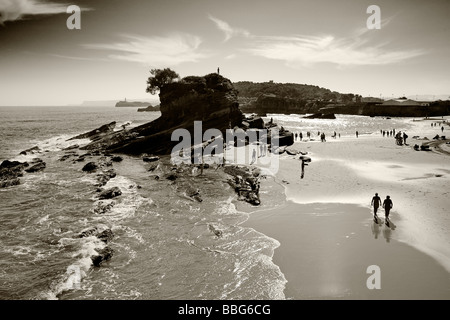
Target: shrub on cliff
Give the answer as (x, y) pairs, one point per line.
(160, 78)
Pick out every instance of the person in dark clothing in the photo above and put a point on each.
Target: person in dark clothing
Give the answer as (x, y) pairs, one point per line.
(404, 137)
(376, 203)
(387, 205)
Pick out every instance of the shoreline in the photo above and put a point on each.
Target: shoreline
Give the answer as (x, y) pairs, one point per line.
(345, 173)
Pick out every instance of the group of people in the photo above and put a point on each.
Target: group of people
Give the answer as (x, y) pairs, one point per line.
(434, 124)
(299, 135)
(387, 204)
(388, 133)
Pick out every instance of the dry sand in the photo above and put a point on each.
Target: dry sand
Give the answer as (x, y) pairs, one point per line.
(325, 224)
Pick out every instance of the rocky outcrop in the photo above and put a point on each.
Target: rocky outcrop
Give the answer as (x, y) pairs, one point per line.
(97, 133)
(90, 167)
(36, 165)
(245, 182)
(211, 99)
(31, 151)
(110, 193)
(10, 171)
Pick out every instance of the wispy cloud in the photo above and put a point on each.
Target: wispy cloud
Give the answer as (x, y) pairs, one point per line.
(228, 30)
(300, 51)
(155, 51)
(11, 10)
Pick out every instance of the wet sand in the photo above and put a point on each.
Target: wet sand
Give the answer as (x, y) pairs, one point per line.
(324, 221)
(326, 249)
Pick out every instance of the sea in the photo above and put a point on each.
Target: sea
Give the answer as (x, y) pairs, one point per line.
(163, 245)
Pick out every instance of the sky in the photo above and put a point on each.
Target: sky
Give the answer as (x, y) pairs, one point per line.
(319, 42)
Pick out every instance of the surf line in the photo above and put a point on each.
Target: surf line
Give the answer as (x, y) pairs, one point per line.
(206, 311)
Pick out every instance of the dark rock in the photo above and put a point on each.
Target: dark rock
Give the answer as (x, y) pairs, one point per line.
(9, 182)
(245, 182)
(193, 193)
(13, 164)
(116, 159)
(10, 171)
(171, 176)
(321, 116)
(102, 208)
(106, 235)
(218, 233)
(37, 165)
(97, 133)
(104, 254)
(75, 146)
(90, 166)
(31, 150)
(80, 159)
(254, 123)
(65, 157)
(110, 193)
(88, 232)
(150, 159)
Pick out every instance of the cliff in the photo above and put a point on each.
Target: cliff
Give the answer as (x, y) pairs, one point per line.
(211, 99)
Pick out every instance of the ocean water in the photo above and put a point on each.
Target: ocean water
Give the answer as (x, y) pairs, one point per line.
(163, 246)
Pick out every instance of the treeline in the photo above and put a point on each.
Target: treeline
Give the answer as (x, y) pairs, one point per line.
(248, 89)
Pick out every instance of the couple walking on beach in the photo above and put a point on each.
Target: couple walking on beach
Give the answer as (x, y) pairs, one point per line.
(387, 205)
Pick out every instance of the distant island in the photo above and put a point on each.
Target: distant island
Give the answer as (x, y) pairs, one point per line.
(126, 103)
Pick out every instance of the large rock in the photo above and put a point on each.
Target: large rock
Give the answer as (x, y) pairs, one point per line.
(211, 99)
(31, 150)
(97, 133)
(36, 165)
(90, 166)
(104, 254)
(110, 193)
(10, 171)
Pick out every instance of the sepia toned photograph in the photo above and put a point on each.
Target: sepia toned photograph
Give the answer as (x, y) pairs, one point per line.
(241, 151)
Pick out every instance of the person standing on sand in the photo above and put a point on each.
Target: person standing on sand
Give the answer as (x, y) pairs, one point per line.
(303, 169)
(387, 205)
(442, 128)
(404, 137)
(301, 136)
(376, 203)
(357, 134)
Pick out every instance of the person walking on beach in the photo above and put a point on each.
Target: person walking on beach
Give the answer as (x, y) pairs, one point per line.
(387, 205)
(404, 137)
(357, 134)
(442, 128)
(303, 168)
(301, 136)
(376, 203)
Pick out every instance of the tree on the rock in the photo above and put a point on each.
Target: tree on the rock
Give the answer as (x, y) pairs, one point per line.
(160, 78)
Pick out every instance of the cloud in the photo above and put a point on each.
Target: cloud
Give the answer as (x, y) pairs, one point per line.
(155, 51)
(228, 30)
(11, 10)
(300, 51)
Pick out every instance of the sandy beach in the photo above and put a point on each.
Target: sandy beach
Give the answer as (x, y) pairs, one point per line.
(325, 228)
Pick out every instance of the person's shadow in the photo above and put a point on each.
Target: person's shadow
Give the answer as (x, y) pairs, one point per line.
(376, 230)
(387, 233)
